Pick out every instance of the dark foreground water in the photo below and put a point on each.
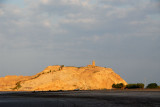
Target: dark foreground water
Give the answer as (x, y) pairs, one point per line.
(105, 98)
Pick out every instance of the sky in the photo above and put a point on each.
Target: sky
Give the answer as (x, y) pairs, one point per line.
(120, 34)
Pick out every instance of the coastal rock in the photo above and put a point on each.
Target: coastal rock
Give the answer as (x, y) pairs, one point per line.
(71, 78)
(64, 78)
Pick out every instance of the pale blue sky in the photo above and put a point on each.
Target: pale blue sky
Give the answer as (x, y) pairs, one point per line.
(121, 34)
(19, 3)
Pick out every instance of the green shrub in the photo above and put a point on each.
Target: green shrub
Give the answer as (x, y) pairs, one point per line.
(37, 76)
(18, 85)
(49, 71)
(152, 85)
(60, 68)
(119, 85)
(140, 85)
(132, 86)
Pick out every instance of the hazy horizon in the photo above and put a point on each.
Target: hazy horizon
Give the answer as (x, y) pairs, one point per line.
(120, 34)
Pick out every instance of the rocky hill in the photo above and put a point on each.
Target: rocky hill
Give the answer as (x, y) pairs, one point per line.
(63, 78)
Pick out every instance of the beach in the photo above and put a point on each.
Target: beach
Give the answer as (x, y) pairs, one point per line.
(94, 98)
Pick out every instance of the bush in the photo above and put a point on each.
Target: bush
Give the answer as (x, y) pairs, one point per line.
(140, 85)
(132, 86)
(119, 85)
(18, 85)
(37, 76)
(152, 85)
(60, 68)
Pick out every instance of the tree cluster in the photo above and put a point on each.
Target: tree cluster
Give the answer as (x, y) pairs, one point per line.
(152, 85)
(119, 85)
(131, 86)
(134, 86)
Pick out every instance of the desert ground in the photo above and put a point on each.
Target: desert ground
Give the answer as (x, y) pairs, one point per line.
(96, 98)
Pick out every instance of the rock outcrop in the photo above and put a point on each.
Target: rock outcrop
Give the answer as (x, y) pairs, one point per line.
(8, 83)
(63, 78)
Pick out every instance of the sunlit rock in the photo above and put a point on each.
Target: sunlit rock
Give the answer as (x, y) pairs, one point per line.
(59, 77)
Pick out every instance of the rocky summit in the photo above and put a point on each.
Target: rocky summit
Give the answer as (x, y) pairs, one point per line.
(59, 77)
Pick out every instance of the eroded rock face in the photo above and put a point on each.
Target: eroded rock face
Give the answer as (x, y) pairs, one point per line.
(70, 78)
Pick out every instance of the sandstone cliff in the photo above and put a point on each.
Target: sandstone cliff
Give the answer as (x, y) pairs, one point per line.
(64, 78)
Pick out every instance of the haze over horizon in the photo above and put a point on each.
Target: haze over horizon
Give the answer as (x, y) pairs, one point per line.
(120, 34)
